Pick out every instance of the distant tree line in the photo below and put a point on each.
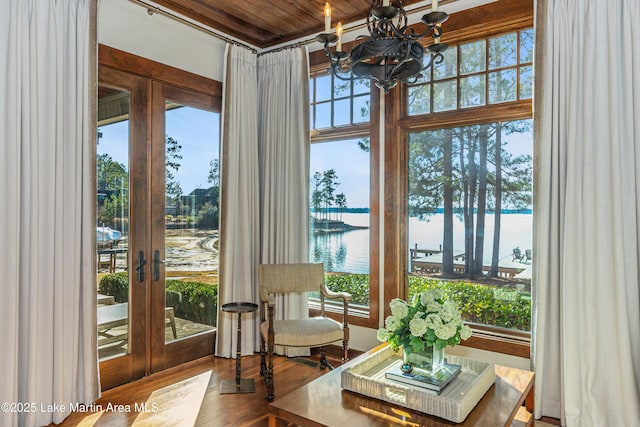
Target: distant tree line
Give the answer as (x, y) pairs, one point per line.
(113, 195)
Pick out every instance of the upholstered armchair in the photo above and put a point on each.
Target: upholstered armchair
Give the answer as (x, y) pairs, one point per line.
(282, 279)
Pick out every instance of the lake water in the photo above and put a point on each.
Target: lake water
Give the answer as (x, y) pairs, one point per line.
(349, 251)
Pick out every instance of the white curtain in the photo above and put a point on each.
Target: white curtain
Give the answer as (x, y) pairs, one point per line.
(239, 200)
(47, 192)
(586, 349)
(283, 82)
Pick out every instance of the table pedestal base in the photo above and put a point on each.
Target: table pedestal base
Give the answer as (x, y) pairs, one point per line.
(247, 385)
(239, 385)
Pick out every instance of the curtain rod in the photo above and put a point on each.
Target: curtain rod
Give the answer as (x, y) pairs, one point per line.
(289, 46)
(151, 9)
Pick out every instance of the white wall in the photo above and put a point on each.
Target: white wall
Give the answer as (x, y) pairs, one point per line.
(126, 26)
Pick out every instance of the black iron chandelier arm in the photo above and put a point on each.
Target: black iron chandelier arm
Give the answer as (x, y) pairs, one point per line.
(335, 62)
(435, 58)
(393, 52)
(409, 33)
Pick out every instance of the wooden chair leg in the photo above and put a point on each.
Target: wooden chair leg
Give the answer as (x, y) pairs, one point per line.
(345, 344)
(263, 359)
(324, 363)
(169, 313)
(269, 374)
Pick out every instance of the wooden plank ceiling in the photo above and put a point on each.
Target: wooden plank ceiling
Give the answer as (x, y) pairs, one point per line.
(265, 23)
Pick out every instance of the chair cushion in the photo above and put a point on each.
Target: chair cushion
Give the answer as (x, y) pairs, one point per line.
(312, 332)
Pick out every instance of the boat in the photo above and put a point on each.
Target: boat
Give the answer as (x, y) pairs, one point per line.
(107, 237)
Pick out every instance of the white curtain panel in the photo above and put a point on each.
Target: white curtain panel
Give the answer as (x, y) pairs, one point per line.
(283, 84)
(586, 349)
(47, 192)
(239, 200)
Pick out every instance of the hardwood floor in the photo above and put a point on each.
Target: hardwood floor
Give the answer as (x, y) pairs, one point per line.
(189, 395)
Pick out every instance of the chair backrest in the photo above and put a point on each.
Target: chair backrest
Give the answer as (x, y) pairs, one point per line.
(286, 278)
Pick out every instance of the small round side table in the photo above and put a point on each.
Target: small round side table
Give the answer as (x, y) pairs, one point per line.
(240, 385)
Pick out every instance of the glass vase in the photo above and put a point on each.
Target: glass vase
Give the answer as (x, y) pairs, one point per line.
(431, 359)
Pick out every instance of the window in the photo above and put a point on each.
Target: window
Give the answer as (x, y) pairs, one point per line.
(477, 73)
(339, 217)
(470, 219)
(336, 102)
(468, 178)
(342, 224)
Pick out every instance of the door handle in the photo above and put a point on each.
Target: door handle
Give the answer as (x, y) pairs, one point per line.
(140, 267)
(156, 265)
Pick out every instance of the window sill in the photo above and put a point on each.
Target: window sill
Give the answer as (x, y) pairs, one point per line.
(358, 315)
(514, 343)
(505, 341)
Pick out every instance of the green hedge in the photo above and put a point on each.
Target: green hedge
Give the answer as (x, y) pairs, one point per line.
(502, 307)
(488, 305)
(356, 284)
(116, 285)
(195, 301)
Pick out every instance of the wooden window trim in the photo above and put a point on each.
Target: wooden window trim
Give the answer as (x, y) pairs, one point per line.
(371, 130)
(486, 74)
(495, 18)
(120, 69)
(348, 131)
(506, 111)
(343, 132)
(484, 21)
(143, 67)
(511, 345)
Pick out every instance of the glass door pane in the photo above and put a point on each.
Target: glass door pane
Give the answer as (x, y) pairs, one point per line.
(192, 188)
(112, 210)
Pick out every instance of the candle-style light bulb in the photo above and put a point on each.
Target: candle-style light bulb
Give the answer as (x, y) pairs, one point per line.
(385, 3)
(339, 34)
(327, 17)
(434, 8)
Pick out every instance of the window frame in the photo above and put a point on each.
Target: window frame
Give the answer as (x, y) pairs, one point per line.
(485, 73)
(333, 99)
(497, 20)
(124, 70)
(357, 316)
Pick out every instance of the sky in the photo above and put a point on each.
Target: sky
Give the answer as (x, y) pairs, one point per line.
(198, 132)
(351, 165)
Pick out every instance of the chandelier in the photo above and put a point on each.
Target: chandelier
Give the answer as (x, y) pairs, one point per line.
(392, 52)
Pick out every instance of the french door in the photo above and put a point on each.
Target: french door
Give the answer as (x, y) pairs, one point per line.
(157, 204)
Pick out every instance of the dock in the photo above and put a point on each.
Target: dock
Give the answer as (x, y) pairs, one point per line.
(429, 261)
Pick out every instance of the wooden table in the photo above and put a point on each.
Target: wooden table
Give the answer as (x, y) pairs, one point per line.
(112, 252)
(323, 402)
(241, 385)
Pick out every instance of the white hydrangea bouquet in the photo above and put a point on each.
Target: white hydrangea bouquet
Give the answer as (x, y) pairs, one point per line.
(428, 321)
